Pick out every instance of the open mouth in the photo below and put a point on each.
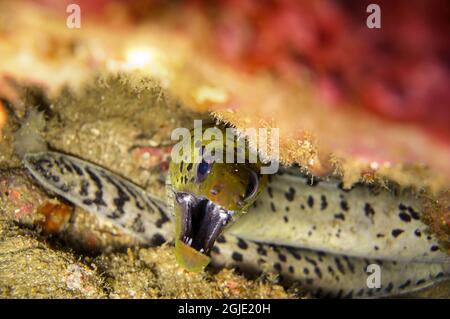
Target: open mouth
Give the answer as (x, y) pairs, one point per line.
(201, 221)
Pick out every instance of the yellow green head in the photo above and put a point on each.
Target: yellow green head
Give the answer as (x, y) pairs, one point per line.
(209, 196)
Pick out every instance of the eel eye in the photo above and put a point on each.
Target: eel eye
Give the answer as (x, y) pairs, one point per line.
(252, 185)
(203, 170)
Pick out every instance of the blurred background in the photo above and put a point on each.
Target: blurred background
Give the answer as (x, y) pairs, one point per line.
(345, 96)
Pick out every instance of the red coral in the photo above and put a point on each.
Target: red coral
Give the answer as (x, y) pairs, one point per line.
(399, 72)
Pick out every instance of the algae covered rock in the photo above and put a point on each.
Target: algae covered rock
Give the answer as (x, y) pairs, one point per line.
(32, 268)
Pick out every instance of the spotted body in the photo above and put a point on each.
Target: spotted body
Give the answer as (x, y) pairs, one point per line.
(328, 270)
(107, 195)
(325, 275)
(321, 215)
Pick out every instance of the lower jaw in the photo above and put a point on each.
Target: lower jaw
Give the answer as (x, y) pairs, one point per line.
(190, 258)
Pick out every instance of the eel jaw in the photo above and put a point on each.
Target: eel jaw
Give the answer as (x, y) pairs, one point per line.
(202, 221)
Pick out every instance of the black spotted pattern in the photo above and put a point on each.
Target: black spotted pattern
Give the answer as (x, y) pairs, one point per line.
(290, 194)
(323, 202)
(397, 232)
(310, 201)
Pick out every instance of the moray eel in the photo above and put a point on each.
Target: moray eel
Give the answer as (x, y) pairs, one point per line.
(312, 233)
(207, 196)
